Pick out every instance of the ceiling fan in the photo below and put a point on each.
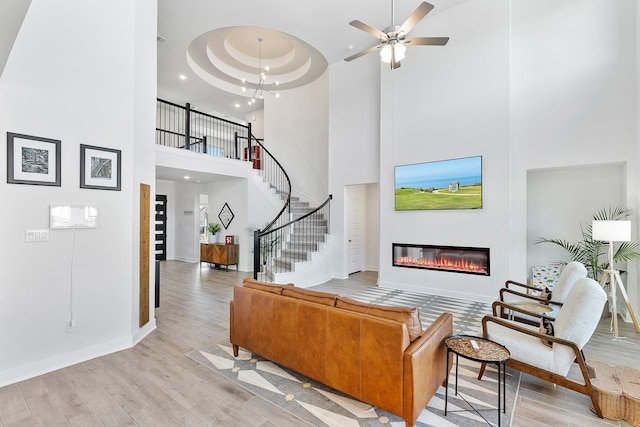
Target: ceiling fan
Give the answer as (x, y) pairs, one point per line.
(392, 39)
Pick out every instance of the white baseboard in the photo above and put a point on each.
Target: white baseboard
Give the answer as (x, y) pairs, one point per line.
(51, 364)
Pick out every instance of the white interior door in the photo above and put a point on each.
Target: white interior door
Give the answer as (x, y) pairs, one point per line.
(355, 228)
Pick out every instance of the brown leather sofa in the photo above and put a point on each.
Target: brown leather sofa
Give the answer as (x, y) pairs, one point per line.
(377, 354)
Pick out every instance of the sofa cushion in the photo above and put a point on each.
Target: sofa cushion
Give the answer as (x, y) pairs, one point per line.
(409, 316)
(274, 288)
(323, 298)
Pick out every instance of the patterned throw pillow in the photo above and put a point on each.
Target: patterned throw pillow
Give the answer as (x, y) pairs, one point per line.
(545, 275)
(546, 327)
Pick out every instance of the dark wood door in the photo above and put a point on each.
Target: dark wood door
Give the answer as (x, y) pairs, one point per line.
(161, 227)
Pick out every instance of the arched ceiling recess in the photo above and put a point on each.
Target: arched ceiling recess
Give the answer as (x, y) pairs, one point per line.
(226, 56)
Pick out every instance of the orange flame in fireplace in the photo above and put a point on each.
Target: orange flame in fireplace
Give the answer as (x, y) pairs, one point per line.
(442, 262)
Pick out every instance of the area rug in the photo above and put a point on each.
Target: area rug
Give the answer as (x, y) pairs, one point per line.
(320, 405)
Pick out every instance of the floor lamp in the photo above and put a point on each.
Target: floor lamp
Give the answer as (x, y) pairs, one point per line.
(614, 231)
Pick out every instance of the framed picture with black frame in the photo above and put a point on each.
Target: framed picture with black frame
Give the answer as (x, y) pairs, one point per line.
(33, 160)
(100, 168)
(226, 215)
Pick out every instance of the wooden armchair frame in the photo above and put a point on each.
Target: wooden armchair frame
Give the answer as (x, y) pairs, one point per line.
(525, 295)
(543, 374)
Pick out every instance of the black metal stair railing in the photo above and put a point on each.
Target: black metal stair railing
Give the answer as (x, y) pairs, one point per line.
(278, 247)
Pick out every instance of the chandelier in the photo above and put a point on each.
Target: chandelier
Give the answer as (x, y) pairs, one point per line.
(259, 87)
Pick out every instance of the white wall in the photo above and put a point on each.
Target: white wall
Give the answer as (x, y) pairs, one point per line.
(296, 133)
(530, 87)
(354, 134)
(560, 201)
(372, 227)
(256, 118)
(187, 228)
(98, 87)
(443, 103)
(144, 90)
(574, 100)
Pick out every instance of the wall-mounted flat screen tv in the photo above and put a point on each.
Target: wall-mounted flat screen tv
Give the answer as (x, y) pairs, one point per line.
(443, 184)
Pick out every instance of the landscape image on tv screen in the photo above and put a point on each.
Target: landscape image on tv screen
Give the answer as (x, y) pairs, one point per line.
(444, 184)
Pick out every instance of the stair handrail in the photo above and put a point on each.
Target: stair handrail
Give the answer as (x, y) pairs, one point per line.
(286, 175)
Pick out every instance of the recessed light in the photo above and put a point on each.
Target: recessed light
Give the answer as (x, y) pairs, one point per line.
(182, 77)
(237, 105)
(187, 177)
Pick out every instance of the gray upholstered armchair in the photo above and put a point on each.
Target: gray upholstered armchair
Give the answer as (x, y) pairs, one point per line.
(550, 357)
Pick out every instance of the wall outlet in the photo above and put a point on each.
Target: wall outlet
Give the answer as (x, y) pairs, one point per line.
(71, 325)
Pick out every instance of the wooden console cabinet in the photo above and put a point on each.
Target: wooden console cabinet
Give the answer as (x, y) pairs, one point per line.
(219, 254)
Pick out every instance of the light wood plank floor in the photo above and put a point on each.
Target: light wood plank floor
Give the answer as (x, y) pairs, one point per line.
(155, 384)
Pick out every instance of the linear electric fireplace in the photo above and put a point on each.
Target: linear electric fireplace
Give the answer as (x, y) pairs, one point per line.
(444, 258)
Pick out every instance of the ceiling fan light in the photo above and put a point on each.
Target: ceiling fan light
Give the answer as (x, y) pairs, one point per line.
(397, 50)
(385, 54)
(400, 51)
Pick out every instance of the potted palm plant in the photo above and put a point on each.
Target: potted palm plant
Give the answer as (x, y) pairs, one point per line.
(213, 228)
(593, 253)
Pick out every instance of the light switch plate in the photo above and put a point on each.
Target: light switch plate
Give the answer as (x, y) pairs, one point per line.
(33, 236)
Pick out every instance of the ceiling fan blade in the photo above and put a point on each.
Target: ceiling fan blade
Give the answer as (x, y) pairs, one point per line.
(430, 41)
(368, 28)
(363, 53)
(416, 16)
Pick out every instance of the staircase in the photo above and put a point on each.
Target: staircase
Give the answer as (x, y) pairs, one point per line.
(302, 245)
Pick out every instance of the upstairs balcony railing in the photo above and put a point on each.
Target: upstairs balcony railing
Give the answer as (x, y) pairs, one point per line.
(217, 137)
(181, 127)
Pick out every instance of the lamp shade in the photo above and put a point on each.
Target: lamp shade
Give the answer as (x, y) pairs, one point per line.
(611, 231)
